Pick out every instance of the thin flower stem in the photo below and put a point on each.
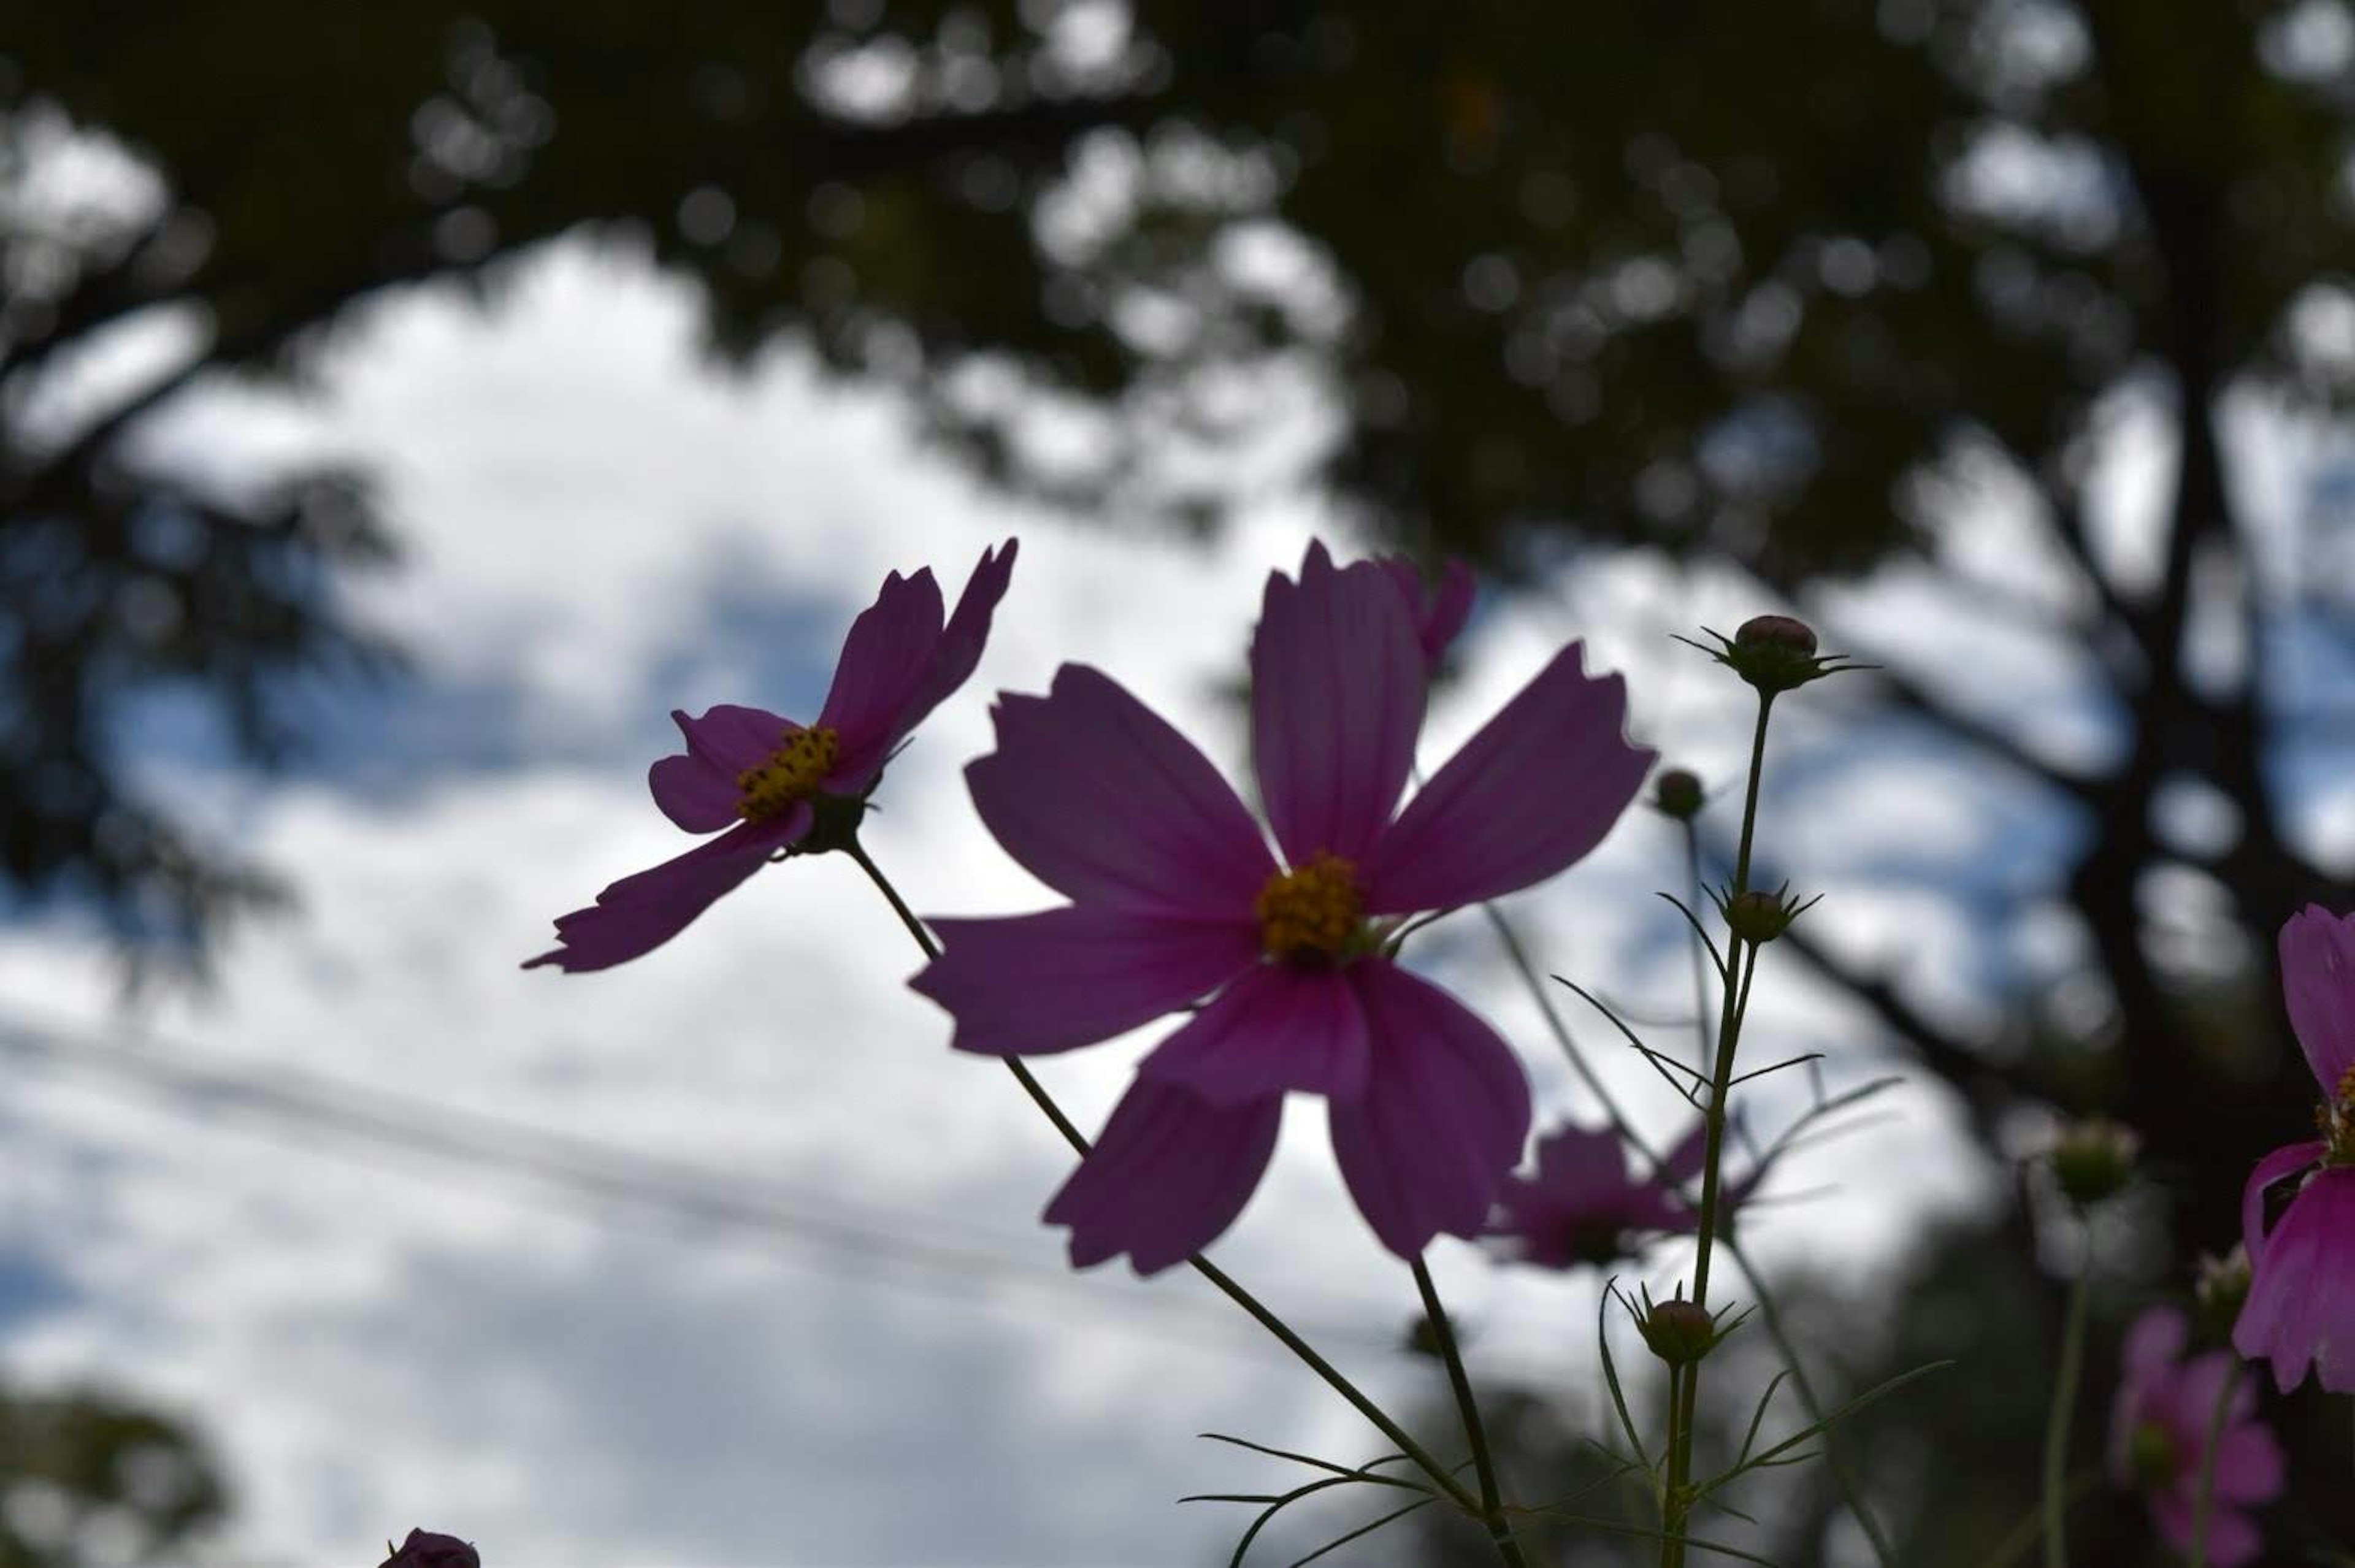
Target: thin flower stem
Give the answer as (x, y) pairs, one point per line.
(2021, 1537)
(1423, 1460)
(1751, 1279)
(1736, 1003)
(1699, 951)
(2064, 1409)
(1492, 1499)
(2203, 1499)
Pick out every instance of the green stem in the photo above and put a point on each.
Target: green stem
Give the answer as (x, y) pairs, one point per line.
(1218, 1278)
(1700, 950)
(1492, 1499)
(2022, 1536)
(2064, 1409)
(1852, 1490)
(1736, 1002)
(2203, 1499)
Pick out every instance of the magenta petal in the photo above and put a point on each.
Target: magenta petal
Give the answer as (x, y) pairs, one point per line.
(1167, 1176)
(2301, 1305)
(1536, 789)
(883, 663)
(1028, 984)
(2318, 965)
(958, 649)
(2233, 1538)
(639, 913)
(2155, 1343)
(1439, 613)
(2250, 1464)
(728, 738)
(1429, 1144)
(1337, 684)
(1278, 1028)
(1098, 797)
(694, 795)
(2278, 1166)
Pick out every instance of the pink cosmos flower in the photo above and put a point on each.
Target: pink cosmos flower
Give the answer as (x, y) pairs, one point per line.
(1176, 898)
(1440, 608)
(764, 778)
(1584, 1206)
(423, 1548)
(2159, 1430)
(2301, 1305)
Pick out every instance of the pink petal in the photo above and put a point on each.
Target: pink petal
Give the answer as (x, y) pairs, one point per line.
(1578, 1161)
(2250, 1464)
(2301, 1305)
(728, 738)
(1338, 684)
(1439, 613)
(1683, 1164)
(958, 650)
(639, 913)
(1280, 1026)
(2155, 1343)
(1167, 1176)
(2278, 1166)
(2317, 964)
(1429, 1142)
(2232, 1539)
(1098, 797)
(883, 664)
(1536, 789)
(1028, 984)
(693, 796)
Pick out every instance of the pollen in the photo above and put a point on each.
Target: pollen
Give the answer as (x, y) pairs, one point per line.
(1310, 912)
(2336, 1122)
(792, 773)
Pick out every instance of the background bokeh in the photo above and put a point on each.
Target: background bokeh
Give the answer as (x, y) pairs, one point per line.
(403, 406)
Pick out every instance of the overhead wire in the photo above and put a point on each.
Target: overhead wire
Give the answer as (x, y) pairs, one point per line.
(792, 1224)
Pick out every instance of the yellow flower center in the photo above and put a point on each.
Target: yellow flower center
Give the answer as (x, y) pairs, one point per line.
(792, 773)
(2336, 1121)
(1310, 912)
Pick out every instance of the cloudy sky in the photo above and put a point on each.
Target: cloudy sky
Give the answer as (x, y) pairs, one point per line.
(722, 1258)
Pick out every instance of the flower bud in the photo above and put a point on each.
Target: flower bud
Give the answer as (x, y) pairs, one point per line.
(2219, 1290)
(423, 1548)
(2150, 1454)
(1677, 793)
(1774, 653)
(2094, 1159)
(1680, 1332)
(1758, 916)
(1782, 632)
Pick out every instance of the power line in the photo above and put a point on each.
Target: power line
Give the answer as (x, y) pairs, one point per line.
(792, 1224)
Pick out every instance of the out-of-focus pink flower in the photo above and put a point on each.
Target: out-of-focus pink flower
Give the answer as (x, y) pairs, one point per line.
(2159, 1430)
(1584, 1206)
(2301, 1308)
(1174, 897)
(423, 1548)
(1440, 608)
(764, 778)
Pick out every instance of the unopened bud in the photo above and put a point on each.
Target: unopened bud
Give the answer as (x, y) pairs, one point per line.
(1758, 916)
(2152, 1456)
(2094, 1159)
(1785, 633)
(1680, 1332)
(2220, 1289)
(1677, 793)
(1774, 653)
(423, 1548)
